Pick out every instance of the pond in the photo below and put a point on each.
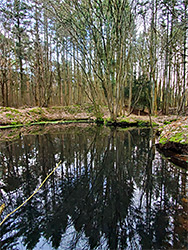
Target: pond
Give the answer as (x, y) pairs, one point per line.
(113, 190)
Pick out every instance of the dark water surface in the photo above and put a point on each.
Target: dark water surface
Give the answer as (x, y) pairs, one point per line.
(113, 190)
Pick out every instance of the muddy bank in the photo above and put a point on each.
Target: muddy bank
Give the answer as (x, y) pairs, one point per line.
(174, 147)
(26, 116)
(173, 142)
(173, 130)
(177, 153)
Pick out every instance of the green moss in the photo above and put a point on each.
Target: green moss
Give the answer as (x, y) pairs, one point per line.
(90, 109)
(128, 121)
(58, 122)
(11, 126)
(143, 123)
(163, 140)
(8, 115)
(14, 123)
(173, 120)
(108, 121)
(167, 122)
(154, 124)
(8, 109)
(99, 120)
(71, 109)
(36, 110)
(124, 120)
(179, 138)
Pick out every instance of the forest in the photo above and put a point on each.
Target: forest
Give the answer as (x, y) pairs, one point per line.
(93, 124)
(122, 54)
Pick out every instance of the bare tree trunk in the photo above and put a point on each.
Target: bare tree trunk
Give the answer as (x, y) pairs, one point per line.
(185, 85)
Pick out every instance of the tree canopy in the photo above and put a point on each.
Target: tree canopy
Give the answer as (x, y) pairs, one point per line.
(118, 53)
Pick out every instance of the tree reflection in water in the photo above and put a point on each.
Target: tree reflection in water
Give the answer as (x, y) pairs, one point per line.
(112, 191)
